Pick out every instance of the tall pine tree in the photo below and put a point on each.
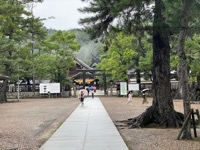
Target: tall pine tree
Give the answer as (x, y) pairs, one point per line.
(109, 13)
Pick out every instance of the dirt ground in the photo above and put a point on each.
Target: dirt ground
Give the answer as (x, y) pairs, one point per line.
(147, 138)
(27, 124)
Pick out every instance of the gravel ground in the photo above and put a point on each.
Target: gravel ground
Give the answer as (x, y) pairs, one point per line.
(27, 124)
(147, 138)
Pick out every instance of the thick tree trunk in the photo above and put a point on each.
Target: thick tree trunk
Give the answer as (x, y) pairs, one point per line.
(139, 49)
(183, 72)
(196, 89)
(4, 85)
(3, 89)
(162, 110)
(198, 82)
(152, 116)
(161, 69)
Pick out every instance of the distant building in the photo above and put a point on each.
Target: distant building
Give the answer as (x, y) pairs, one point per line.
(77, 76)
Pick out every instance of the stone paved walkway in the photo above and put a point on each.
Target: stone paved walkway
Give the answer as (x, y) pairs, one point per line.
(88, 128)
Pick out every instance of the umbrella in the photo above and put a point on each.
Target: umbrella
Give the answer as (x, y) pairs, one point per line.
(144, 90)
(90, 88)
(84, 91)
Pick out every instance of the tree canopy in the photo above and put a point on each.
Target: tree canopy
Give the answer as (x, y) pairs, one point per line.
(136, 16)
(119, 57)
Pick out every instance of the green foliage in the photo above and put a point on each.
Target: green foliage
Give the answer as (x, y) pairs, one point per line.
(105, 12)
(146, 62)
(193, 54)
(173, 15)
(11, 33)
(45, 66)
(25, 48)
(119, 57)
(135, 17)
(61, 45)
(64, 41)
(174, 61)
(109, 17)
(81, 36)
(24, 42)
(21, 37)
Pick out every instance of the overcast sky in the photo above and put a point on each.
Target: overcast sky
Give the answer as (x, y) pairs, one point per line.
(65, 13)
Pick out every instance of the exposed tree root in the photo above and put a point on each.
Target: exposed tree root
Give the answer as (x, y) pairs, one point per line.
(152, 116)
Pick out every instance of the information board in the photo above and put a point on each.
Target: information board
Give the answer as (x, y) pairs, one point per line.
(49, 87)
(133, 87)
(123, 88)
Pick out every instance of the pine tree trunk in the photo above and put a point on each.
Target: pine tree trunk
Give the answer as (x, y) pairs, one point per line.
(162, 110)
(183, 76)
(3, 89)
(198, 82)
(161, 69)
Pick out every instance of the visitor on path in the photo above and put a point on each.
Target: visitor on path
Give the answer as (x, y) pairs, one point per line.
(94, 88)
(144, 92)
(88, 91)
(81, 97)
(92, 94)
(129, 96)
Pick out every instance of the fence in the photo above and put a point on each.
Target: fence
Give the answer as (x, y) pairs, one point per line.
(26, 91)
(23, 88)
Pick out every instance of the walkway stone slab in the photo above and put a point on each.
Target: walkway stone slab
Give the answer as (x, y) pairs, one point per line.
(88, 128)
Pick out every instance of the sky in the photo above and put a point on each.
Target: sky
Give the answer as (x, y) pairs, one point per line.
(65, 13)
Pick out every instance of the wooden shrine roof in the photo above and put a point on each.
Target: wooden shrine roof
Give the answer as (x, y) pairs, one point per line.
(3, 77)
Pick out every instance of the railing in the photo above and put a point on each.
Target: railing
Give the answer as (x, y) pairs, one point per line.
(13, 89)
(23, 88)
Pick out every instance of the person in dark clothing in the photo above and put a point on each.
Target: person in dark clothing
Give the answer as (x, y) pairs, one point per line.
(81, 97)
(88, 91)
(92, 94)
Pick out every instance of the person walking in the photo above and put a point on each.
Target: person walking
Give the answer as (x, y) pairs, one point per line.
(94, 88)
(130, 98)
(144, 98)
(88, 91)
(92, 94)
(81, 97)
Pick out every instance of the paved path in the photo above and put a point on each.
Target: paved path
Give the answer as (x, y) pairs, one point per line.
(88, 128)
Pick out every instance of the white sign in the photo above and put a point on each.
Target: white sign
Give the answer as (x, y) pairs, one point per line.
(123, 88)
(49, 87)
(133, 87)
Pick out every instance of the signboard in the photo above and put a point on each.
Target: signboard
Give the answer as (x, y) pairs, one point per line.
(123, 88)
(133, 87)
(49, 87)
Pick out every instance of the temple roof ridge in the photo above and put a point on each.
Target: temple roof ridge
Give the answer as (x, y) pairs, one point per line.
(82, 63)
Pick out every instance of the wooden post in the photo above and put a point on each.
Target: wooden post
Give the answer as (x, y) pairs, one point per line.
(193, 123)
(198, 117)
(84, 75)
(184, 124)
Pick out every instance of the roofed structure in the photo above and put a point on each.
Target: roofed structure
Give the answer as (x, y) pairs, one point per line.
(82, 63)
(77, 76)
(2, 77)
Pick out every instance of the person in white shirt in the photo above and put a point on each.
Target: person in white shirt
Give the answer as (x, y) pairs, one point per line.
(144, 98)
(130, 98)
